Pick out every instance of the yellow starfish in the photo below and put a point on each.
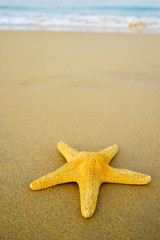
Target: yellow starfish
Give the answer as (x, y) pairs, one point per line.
(89, 170)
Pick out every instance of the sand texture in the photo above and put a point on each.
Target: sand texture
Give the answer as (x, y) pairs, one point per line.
(90, 91)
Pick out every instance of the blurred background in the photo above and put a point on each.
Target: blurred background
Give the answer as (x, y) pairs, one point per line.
(79, 15)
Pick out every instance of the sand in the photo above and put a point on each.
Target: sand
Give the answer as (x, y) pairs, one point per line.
(91, 91)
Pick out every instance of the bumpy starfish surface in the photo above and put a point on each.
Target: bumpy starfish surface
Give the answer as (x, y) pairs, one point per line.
(89, 170)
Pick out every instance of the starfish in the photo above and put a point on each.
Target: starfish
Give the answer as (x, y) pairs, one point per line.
(89, 170)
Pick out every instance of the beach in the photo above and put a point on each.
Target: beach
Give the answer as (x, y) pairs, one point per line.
(89, 90)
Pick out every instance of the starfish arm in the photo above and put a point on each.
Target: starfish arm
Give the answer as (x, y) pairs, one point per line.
(125, 176)
(64, 174)
(109, 153)
(89, 190)
(67, 151)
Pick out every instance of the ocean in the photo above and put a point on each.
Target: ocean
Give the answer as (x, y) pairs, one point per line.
(130, 16)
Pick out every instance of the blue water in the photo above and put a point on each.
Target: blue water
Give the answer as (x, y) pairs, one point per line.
(75, 15)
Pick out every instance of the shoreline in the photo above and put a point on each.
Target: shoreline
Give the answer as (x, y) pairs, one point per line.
(133, 32)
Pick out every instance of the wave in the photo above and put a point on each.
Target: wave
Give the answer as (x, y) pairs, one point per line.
(82, 8)
(37, 20)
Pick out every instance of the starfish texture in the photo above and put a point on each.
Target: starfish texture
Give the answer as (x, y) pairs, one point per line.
(89, 170)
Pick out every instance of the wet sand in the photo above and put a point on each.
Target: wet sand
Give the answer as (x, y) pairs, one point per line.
(90, 91)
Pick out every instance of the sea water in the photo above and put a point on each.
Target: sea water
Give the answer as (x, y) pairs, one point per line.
(129, 16)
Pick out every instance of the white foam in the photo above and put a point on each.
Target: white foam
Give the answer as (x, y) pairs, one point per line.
(84, 22)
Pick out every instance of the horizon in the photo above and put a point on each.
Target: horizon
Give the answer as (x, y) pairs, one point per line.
(32, 3)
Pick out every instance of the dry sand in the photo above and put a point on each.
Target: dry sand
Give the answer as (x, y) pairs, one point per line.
(90, 91)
